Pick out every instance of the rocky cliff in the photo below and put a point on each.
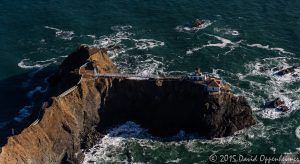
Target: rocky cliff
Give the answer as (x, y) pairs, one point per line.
(74, 120)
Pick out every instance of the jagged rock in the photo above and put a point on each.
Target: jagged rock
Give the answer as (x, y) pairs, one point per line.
(68, 122)
(198, 23)
(275, 103)
(75, 121)
(283, 108)
(286, 71)
(278, 102)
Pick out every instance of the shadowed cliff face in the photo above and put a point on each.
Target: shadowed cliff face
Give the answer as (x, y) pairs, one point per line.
(165, 107)
(73, 121)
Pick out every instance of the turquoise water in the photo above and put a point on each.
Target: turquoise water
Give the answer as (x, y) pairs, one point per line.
(238, 39)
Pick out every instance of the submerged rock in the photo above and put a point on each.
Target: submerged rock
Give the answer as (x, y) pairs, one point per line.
(263, 69)
(114, 47)
(286, 71)
(76, 119)
(275, 69)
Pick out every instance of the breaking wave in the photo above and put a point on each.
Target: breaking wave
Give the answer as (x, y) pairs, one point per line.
(65, 35)
(223, 44)
(122, 48)
(188, 28)
(31, 64)
(121, 27)
(38, 89)
(116, 41)
(129, 141)
(226, 31)
(267, 47)
(297, 132)
(28, 64)
(261, 77)
(23, 113)
(143, 44)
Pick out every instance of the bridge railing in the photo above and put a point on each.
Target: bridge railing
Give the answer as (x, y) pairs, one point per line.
(116, 75)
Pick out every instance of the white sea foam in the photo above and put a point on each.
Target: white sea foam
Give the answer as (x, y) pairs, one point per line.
(189, 52)
(235, 33)
(226, 31)
(121, 33)
(113, 144)
(121, 27)
(267, 47)
(22, 64)
(121, 45)
(273, 149)
(143, 44)
(112, 147)
(272, 86)
(264, 85)
(43, 40)
(29, 64)
(144, 64)
(174, 161)
(297, 132)
(183, 28)
(224, 43)
(150, 66)
(91, 36)
(66, 35)
(39, 89)
(114, 39)
(23, 113)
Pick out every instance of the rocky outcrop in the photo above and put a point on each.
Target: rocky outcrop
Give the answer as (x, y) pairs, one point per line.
(275, 103)
(198, 23)
(75, 120)
(165, 107)
(283, 108)
(280, 70)
(68, 123)
(286, 71)
(278, 104)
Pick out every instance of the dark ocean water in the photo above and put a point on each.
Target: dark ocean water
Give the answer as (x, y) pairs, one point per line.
(238, 39)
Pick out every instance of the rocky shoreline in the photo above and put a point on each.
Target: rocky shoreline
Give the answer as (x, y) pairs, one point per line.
(84, 107)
